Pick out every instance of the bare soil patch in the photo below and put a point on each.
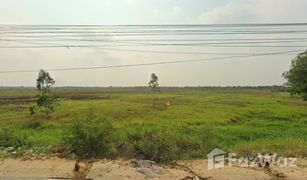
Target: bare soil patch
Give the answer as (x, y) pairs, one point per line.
(56, 168)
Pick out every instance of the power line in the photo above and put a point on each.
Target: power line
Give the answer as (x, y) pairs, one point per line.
(218, 44)
(42, 38)
(86, 33)
(150, 64)
(137, 41)
(45, 26)
(157, 29)
(153, 25)
(102, 46)
(173, 52)
(129, 50)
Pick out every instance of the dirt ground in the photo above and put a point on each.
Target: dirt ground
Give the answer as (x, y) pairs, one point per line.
(56, 168)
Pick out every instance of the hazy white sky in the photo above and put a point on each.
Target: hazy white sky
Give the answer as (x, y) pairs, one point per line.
(151, 11)
(252, 71)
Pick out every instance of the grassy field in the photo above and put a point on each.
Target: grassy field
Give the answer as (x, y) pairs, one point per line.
(242, 121)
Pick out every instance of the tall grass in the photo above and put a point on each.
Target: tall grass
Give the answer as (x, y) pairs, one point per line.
(244, 121)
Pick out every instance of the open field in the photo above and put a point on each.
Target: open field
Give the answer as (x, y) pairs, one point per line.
(243, 121)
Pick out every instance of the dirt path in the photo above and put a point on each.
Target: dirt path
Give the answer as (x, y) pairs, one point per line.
(56, 168)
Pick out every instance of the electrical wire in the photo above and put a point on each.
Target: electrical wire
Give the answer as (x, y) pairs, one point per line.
(149, 64)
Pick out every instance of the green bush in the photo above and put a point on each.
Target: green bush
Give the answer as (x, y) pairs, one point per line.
(33, 124)
(8, 138)
(155, 146)
(90, 138)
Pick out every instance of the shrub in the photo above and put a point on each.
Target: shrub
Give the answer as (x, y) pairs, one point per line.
(8, 138)
(90, 138)
(34, 124)
(155, 146)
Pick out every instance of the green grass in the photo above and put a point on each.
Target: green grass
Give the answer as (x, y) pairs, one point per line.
(242, 121)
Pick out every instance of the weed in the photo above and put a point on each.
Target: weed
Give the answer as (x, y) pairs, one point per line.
(90, 138)
(8, 138)
(155, 146)
(34, 124)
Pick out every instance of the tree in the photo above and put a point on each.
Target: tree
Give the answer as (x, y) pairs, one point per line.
(297, 76)
(153, 83)
(46, 101)
(154, 87)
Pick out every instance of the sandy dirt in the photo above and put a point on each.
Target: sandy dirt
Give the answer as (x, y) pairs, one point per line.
(56, 168)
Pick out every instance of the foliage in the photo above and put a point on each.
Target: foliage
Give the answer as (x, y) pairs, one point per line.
(155, 145)
(154, 87)
(46, 101)
(34, 124)
(9, 138)
(90, 138)
(153, 83)
(198, 121)
(297, 76)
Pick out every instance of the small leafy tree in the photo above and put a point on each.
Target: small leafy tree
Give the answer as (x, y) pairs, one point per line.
(297, 76)
(46, 101)
(154, 87)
